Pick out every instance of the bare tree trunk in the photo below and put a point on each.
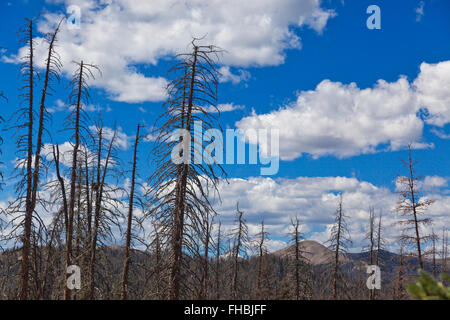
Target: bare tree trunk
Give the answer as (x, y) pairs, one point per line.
(336, 253)
(126, 262)
(73, 180)
(177, 237)
(414, 208)
(241, 235)
(218, 244)
(101, 176)
(205, 265)
(26, 240)
(296, 236)
(371, 236)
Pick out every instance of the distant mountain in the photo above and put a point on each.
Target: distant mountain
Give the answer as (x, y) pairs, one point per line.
(314, 252)
(317, 254)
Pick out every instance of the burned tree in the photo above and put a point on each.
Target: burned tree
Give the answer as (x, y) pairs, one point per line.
(339, 241)
(180, 186)
(218, 245)
(240, 246)
(412, 208)
(25, 145)
(27, 187)
(300, 267)
(370, 236)
(262, 285)
(128, 236)
(444, 250)
(105, 210)
(78, 98)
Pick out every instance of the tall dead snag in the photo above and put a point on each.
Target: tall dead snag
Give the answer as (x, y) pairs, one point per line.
(412, 207)
(339, 240)
(1, 140)
(262, 286)
(78, 97)
(126, 261)
(240, 246)
(206, 241)
(380, 243)
(444, 250)
(300, 267)
(218, 254)
(23, 130)
(370, 236)
(104, 203)
(180, 186)
(399, 291)
(433, 252)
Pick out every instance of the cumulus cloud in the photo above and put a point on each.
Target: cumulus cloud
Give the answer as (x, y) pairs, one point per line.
(344, 120)
(433, 92)
(117, 35)
(314, 200)
(235, 78)
(223, 107)
(122, 140)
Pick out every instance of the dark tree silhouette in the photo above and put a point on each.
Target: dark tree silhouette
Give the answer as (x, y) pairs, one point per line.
(339, 241)
(180, 186)
(412, 207)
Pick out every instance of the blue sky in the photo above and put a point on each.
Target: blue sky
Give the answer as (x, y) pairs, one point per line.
(279, 54)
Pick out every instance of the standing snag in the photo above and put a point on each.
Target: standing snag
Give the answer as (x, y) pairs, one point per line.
(128, 235)
(181, 185)
(412, 207)
(339, 241)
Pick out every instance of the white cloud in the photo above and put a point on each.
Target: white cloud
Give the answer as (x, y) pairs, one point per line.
(117, 35)
(343, 120)
(60, 106)
(431, 182)
(226, 75)
(224, 107)
(314, 200)
(440, 133)
(122, 140)
(433, 91)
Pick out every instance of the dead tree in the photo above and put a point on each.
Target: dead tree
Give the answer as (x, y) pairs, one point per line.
(412, 207)
(262, 288)
(206, 241)
(25, 144)
(380, 241)
(300, 267)
(78, 98)
(241, 240)
(370, 236)
(180, 186)
(399, 292)
(218, 257)
(1, 140)
(27, 186)
(339, 241)
(104, 203)
(433, 252)
(126, 262)
(444, 250)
